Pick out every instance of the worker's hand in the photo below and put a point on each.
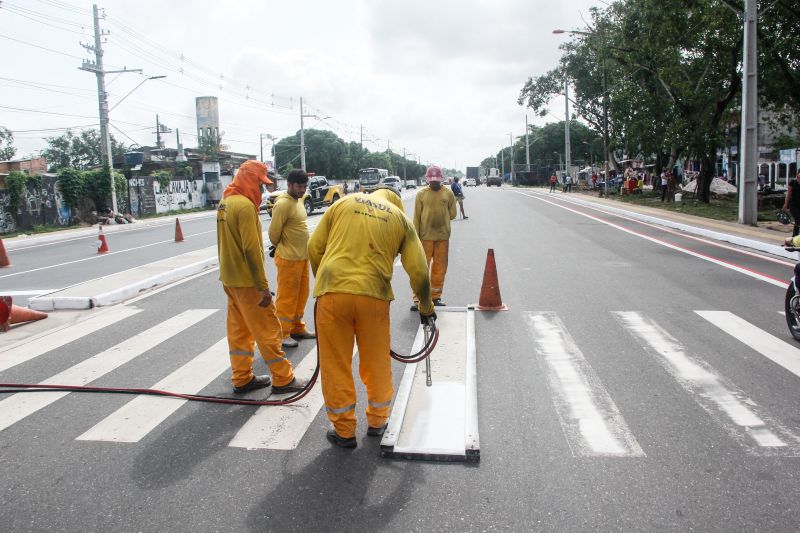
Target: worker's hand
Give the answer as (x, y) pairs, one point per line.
(428, 320)
(266, 298)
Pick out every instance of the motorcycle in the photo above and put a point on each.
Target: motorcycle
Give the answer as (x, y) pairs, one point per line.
(792, 303)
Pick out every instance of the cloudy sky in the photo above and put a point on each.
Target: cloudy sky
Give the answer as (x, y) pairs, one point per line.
(438, 78)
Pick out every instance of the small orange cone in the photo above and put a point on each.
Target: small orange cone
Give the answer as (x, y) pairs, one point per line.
(5, 313)
(178, 231)
(4, 262)
(490, 299)
(23, 314)
(102, 245)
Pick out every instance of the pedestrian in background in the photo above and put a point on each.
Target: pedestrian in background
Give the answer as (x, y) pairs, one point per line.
(792, 203)
(288, 232)
(664, 185)
(352, 253)
(251, 312)
(434, 208)
(553, 182)
(458, 192)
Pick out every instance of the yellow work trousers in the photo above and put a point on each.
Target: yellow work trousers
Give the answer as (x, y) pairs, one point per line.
(248, 322)
(290, 302)
(436, 255)
(340, 319)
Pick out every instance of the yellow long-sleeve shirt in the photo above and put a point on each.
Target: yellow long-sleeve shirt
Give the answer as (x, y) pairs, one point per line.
(240, 247)
(433, 211)
(354, 246)
(288, 229)
(391, 197)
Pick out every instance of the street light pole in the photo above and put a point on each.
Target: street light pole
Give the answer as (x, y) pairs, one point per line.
(567, 150)
(511, 159)
(527, 146)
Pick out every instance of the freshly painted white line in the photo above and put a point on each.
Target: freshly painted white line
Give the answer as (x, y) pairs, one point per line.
(168, 286)
(752, 273)
(20, 405)
(771, 347)
(282, 427)
(27, 350)
(137, 418)
(723, 401)
(591, 421)
(97, 256)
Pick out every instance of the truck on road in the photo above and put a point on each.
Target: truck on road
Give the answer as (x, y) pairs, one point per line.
(494, 178)
(474, 175)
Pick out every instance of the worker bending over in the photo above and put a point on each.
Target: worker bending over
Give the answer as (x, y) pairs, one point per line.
(288, 231)
(352, 253)
(251, 313)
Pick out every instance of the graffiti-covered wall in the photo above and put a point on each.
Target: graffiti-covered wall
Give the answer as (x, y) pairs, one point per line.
(39, 206)
(147, 198)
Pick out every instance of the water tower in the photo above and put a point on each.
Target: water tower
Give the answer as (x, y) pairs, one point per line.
(207, 110)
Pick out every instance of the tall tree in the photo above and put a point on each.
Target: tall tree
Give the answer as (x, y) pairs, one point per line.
(80, 151)
(7, 149)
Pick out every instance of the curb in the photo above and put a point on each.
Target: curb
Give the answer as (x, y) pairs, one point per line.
(754, 244)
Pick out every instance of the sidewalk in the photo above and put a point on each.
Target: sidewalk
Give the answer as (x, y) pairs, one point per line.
(760, 238)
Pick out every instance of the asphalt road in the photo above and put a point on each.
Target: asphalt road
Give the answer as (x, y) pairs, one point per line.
(629, 387)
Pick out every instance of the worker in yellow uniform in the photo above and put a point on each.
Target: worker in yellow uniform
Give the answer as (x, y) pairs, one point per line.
(434, 208)
(251, 312)
(288, 232)
(352, 253)
(389, 195)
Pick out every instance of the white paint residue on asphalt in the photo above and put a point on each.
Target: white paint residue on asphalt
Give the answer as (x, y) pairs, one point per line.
(589, 417)
(771, 347)
(727, 405)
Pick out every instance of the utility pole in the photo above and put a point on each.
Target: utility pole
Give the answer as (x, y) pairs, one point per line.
(567, 156)
(302, 138)
(361, 141)
(511, 159)
(527, 146)
(404, 164)
(106, 155)
(181, 157)
(158, 133)
(748, 153)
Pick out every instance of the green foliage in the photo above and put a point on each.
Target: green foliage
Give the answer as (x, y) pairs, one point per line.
(210, 144)
(81, 151)
(163, 178)
(72, 183)
(7, 149)
(15, 183)
(184, 170)
(98, 186)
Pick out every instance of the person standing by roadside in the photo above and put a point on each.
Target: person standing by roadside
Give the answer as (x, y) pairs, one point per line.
(792, 203)
(434, 208)
(288, 232)
(458, 192)
(553, 182)
(664, 185)
(251, 311)
(352, 254)
(567, 183)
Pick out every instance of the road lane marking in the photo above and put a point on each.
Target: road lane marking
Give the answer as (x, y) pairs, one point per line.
(283, 427)
(134, 420)
(771, 347)
(22, 404)
(591, 421)
(97, 256)
(679, 233)
(727, 405)
(30, 349)
(746, 271)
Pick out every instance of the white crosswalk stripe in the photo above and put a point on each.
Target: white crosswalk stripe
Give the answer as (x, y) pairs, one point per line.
(723, 401)
(23, 404)
(774, 349)
(26, 350)
(589, 417)
(137, 418)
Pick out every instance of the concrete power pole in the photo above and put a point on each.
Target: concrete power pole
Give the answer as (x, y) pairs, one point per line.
(511, 159)
(567, 150)
(96, 67)
(302, 138)
(527, 146)
(748, 150)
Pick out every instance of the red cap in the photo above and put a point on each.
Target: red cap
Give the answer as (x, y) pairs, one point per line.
(433, 173)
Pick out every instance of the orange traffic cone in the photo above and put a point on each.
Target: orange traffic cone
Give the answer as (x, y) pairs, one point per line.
(102, 245)
(23, 314)
(5, 313)
(4, 262)
(490, 299)
(178, 231)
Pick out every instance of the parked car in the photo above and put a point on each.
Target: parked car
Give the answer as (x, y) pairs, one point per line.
(318, 194)
(470, 182)
(393, 182)
(613, 183)
(411, 184)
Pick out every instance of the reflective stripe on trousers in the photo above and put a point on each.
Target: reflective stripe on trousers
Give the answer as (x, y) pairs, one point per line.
(341, 318)
(292, 294)
(247, 322)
